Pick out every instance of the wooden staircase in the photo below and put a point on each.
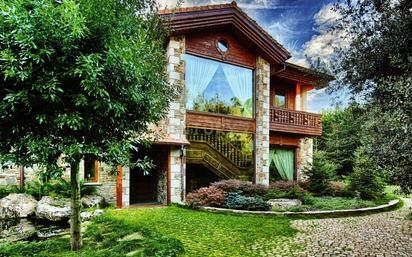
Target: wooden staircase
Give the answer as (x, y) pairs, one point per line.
(218, 154)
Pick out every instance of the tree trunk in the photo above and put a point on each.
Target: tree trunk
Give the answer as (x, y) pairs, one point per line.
(75, 222)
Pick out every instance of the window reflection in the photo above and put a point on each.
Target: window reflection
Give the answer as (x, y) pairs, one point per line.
(280, 98)
(217, 87)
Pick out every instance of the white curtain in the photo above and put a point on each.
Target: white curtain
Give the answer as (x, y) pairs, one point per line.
(199, 72)
(240, 80)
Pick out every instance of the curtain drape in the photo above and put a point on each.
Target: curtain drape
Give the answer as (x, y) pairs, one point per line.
(283, 159)
(240, 80)
(199, 72)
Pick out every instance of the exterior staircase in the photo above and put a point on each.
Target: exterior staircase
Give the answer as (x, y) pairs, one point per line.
(218, 154)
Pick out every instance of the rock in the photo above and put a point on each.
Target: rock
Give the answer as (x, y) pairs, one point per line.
(284, 203)
(17, 206)
(85, 216)
(21, 230)
(90, 201)
(54, 209)
(98, 213)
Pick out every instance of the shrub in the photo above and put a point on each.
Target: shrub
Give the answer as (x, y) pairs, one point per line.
(283, 186)
(235, 200)
(246, 187)
(206, 196)
(320, 173)
(54, 188)
(6, 190)
(364, 180)
(338, 188)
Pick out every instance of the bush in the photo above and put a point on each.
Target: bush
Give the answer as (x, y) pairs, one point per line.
(284, 186)
(206, 196)
(55, 188)
(338, 188)
(235, 200)
(364, 180)
(246, 187)
(6, 190)
(320, 173)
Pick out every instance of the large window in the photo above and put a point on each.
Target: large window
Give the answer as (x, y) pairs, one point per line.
(213, 86)
(280, 98)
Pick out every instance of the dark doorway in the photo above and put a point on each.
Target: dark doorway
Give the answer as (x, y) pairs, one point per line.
(149, 187)
(198, 176)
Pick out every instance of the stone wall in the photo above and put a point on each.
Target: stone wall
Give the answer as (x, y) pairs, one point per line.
(262, 121)
(304, 155)
(177, 176)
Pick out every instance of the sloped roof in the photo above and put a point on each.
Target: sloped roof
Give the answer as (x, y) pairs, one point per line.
(186, 20)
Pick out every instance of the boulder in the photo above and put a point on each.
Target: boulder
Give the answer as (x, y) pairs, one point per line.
(85, 216)
(54, 209)
(17, 206)
(90, 201)
(22, 230)
(283, 203)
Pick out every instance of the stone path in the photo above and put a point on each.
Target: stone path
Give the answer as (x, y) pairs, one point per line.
(380, 235)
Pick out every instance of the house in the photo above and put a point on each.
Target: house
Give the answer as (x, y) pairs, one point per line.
(241, 112)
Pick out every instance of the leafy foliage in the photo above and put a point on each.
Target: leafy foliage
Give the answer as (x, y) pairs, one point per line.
(54, 188)
(79, 77)
(320, 173)
(341, 137)
(376, 67)
(102, 238)
(6, 190)
(365, 180)
(235, 200)
(206, 196)
(245, 187)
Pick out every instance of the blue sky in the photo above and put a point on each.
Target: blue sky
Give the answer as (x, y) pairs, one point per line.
(299, 25)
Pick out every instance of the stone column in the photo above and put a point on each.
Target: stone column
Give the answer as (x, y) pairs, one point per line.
(304, 155)
(176, 118)
(125, 186)
(262, 122)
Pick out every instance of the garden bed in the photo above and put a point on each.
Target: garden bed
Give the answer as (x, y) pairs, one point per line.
(343, 212)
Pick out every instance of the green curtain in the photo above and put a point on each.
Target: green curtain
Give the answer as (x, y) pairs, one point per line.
(283, 160)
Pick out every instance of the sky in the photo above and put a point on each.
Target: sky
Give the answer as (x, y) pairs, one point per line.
(300, 26)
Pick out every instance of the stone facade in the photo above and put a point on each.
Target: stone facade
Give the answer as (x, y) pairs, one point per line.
(177, 175)
(125, 186)
(304, 155)
(262, 121)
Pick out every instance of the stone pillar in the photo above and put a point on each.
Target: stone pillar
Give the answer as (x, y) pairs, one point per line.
(176, 118)
(304, 155)
(262, 122)
(177, 176)
(175, 124)
(125, 186)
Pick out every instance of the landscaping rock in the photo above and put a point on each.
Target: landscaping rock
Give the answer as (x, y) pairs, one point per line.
(283, 203)
(85, 216)
(17, 206)
(16, 232)
(54, 209)
(90, 201)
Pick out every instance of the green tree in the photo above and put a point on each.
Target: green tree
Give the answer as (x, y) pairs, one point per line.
(365, 179)
(341, 136)
(320, 173)
(377, 67)
(79, 77)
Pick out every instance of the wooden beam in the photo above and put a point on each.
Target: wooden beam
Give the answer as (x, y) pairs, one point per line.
(119, 187)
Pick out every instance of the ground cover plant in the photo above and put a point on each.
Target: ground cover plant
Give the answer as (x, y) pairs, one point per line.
(105, 236)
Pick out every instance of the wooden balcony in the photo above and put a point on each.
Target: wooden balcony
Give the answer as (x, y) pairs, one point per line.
(297, 122)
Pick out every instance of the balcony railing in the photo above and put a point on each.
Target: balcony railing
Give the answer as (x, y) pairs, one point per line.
(289, 121)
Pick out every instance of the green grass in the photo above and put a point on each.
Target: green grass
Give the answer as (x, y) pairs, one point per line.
(212, 234)
(102, 238)
(166, 231)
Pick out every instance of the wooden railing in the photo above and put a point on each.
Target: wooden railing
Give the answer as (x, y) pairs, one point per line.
(284, 120)
(221, 144)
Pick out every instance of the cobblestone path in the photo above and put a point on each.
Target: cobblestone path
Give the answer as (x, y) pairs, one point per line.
(382, 234)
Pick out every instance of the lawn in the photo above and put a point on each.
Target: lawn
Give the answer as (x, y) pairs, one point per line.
(165, 232)
(210, 234)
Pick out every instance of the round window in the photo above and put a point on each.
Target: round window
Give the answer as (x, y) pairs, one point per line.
(222, 45)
